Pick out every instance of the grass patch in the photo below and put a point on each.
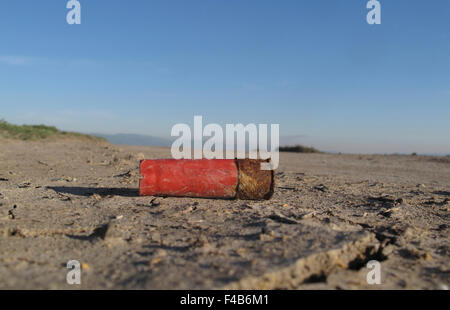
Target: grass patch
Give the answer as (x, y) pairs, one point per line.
(37, 132)
(298, 149)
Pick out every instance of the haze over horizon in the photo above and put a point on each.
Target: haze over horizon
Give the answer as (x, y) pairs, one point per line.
(315, 67)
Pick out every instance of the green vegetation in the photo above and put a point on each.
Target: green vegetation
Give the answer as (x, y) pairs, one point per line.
(37, 132)
(298, 149)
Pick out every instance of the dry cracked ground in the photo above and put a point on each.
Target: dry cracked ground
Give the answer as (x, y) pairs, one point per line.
(331, 214)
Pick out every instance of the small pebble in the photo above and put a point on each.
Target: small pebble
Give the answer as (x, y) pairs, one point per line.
(85, 266)
(11, 215)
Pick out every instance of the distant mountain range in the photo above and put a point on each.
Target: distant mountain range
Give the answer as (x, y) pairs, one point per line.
(134, 139)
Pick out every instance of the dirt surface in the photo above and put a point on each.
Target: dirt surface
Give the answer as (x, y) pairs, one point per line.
(330, 215)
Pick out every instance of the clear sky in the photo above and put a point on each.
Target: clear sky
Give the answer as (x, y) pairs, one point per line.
(314, 66)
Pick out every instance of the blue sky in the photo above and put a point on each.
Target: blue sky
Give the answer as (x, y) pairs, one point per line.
(314, 67)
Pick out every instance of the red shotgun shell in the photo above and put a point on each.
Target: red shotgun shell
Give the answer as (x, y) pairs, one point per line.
(207, 178)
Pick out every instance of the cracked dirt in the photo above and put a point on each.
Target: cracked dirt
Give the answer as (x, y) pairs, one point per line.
(330, 214)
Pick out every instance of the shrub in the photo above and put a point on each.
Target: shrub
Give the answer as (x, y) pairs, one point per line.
(298, 149)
